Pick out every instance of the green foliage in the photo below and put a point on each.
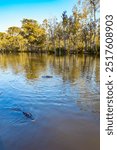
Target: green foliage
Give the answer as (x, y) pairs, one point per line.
(34, 33)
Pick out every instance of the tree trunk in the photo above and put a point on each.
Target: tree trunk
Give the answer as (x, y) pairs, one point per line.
(59, 46)
(94, 27)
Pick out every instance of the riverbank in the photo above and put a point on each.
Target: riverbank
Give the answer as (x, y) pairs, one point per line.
(58, 53)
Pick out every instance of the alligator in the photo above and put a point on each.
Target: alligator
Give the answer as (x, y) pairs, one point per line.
(47, 76)
(26, 114)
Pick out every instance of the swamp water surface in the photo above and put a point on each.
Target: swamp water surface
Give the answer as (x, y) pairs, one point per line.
(65, 107)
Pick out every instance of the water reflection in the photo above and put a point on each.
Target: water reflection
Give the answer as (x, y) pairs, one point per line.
(78, 73)
(69, 67)
(64, 106)
(31, 65)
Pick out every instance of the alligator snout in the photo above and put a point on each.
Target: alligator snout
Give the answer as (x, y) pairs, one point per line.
(28, 115)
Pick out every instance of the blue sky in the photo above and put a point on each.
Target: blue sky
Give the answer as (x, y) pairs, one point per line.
(13, 11)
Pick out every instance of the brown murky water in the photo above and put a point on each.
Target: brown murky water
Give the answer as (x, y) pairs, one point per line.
(65, 108)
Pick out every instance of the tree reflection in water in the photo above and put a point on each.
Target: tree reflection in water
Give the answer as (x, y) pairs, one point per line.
(65, 107)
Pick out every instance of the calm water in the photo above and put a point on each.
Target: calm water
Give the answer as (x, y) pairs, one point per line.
(65, 108)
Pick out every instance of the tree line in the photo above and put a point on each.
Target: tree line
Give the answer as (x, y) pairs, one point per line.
(77, 33)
